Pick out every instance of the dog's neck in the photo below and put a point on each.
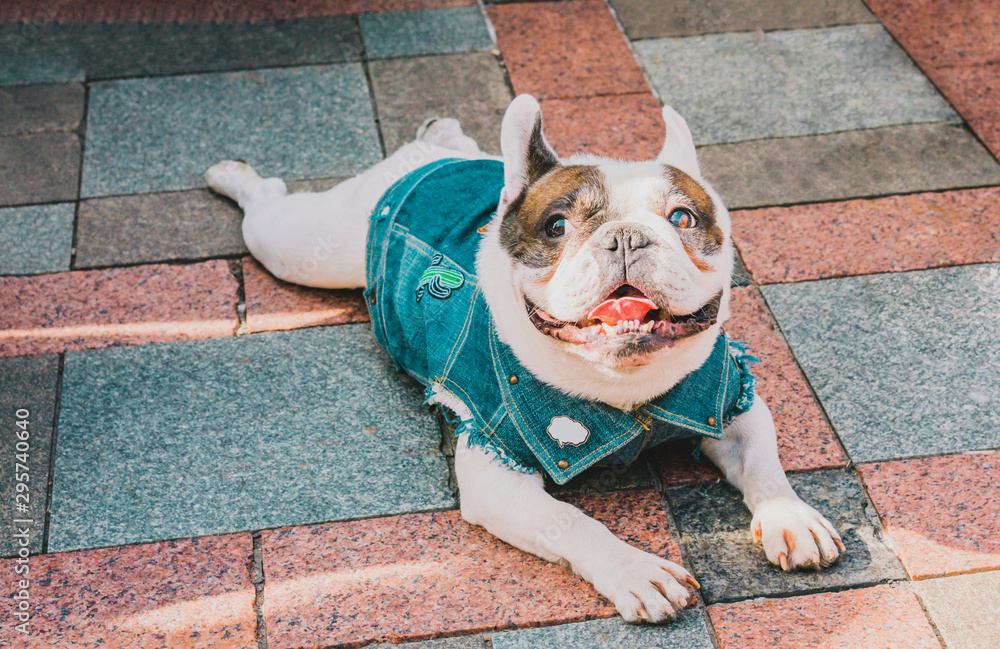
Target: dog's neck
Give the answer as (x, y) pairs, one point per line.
(623, 387)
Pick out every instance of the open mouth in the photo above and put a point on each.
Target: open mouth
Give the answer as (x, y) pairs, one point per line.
(626, 315)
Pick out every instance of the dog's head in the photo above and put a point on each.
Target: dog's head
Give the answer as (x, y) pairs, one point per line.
(617, 263)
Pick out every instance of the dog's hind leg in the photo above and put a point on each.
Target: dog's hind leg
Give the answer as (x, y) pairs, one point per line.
(515, 508)
(447, 132)
(240, 182)
(318, 239)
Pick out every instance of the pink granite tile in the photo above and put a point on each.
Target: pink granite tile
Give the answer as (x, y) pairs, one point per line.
(974, 91)
(868, 618)
(119, 306)
(419, 576)
(943, 32)
(274, 305)
(791, 244)
(805, 439)
(565, 49)
(190, 593)
(621, 126)
(943, 513)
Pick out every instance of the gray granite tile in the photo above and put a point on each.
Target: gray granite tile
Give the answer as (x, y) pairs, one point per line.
(51, 53)
(715, 527)
(468, 87)
(39, 168)
(905, 364)
(29, 383)
(688, 631)
(36, 238)
(435, 31)
(29, 109)
(462, 642)
(160, 134)
(153, 49)
(965, 609)
(260, 431)
(889, 160)
(748, 86)
(147, 228)
(32, 53)
(658, 18)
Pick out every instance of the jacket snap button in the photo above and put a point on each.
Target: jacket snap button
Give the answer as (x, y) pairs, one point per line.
(562, 464)
(711, 420)
(513, 379)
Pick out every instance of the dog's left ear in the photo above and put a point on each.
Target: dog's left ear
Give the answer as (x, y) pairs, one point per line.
(526, 155)
(678, 147)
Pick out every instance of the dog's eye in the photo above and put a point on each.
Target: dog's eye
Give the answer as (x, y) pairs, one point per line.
(682, 219)
(557, 226)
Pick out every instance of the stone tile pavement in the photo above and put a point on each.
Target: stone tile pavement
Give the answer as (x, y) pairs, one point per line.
(220, 459)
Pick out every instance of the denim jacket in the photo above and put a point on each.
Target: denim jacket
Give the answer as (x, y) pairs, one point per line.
(428, 313)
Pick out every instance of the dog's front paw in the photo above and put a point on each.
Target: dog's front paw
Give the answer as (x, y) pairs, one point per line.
(644, 587)
(795, 535)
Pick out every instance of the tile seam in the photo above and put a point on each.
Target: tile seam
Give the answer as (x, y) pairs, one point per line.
(56, 409)
(776, 327)
(930, 619)
(370, 86)
(255, 571)
(81, 133)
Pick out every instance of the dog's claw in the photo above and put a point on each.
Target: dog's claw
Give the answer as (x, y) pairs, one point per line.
(783, 560)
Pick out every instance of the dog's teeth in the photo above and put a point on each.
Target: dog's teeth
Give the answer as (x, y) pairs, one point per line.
(608, 329)
(648, 326)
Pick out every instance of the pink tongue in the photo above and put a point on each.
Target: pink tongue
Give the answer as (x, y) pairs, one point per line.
(624, 308)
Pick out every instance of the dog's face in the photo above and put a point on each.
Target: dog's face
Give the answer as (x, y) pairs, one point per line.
(617, 262)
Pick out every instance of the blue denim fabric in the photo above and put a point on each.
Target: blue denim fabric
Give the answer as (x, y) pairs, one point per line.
(429, 314)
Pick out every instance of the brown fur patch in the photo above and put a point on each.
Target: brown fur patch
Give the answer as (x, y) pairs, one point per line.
(709, 235)
(698, 262)
(576, 192)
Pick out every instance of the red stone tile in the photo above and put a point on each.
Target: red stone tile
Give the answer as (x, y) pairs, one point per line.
(974, 91)
(791, 244)
(943, 32)
(119, 306)
(417, 576)
(274, 305)
(565, 49)
(868, 618)
(943, 513)
(190, 593)
(621, 126)
(805, 439)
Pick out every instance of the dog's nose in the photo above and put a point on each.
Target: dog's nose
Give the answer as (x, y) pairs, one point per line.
(626, 238)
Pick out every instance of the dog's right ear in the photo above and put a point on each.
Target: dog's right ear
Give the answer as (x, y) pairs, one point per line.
(678, 147)
(526, 155)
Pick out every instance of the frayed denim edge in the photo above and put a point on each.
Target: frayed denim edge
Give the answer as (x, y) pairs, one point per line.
(740, 353)
(437, 395)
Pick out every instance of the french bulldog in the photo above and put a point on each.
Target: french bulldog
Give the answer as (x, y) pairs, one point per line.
(568, 311)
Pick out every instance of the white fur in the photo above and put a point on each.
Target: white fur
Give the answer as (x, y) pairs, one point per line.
(318, 240)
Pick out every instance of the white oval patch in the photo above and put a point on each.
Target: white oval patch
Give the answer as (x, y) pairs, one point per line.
(567, 431)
